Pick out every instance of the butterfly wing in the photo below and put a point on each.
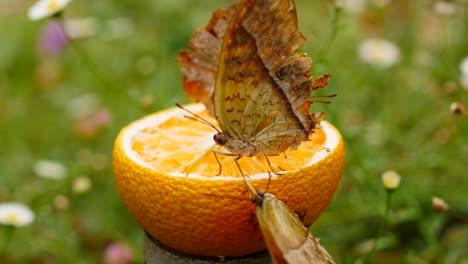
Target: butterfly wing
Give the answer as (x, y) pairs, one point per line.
(249, 107)
(287, 239)
(199, 64)
(278, 40)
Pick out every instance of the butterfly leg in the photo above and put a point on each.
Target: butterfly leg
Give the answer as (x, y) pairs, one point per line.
(251, 189)
(269, 164)
(216, 152)
(268, 182)
(219, 163)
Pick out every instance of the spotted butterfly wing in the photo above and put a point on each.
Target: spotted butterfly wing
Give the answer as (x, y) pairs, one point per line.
(257, 108)
(274, 26)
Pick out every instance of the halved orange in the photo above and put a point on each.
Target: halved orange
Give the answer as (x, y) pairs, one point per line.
(206, 214)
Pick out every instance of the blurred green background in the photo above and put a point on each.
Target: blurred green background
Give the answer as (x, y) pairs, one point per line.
(66, 104)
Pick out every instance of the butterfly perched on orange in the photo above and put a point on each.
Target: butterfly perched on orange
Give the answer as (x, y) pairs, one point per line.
(262, 91)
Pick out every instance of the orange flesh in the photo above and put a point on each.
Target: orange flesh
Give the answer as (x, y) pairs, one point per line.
(172, 148)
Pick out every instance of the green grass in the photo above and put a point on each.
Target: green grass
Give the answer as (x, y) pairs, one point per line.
(391, 118)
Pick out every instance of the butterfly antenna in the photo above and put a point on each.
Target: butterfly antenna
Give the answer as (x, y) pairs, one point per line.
(196, 117)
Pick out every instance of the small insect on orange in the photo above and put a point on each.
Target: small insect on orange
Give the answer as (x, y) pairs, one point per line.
(287, 239)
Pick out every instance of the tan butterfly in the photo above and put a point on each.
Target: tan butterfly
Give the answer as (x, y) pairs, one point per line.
(262, 91)
(287, 239)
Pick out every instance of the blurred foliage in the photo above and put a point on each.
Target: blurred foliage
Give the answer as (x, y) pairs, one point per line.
(391, 118)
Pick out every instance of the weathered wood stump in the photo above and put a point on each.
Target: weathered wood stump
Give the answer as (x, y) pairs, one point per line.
(157, 253)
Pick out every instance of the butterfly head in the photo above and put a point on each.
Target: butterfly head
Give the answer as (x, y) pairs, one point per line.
(258, 198)
(220, 139)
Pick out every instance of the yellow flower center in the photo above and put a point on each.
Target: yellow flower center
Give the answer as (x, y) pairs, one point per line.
(52, 5)
(12, 219)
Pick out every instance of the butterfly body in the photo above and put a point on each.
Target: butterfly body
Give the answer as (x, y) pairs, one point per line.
(287, 239)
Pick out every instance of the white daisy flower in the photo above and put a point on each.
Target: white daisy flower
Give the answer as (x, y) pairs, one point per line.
(15, 214)
(379, 52)
(391, 180)
(50, 169)
(46, 8)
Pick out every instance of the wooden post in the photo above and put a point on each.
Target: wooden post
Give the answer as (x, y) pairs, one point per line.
(157, 253)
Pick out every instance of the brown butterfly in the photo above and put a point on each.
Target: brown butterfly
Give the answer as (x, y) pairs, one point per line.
(287, 239)
(262, 90)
